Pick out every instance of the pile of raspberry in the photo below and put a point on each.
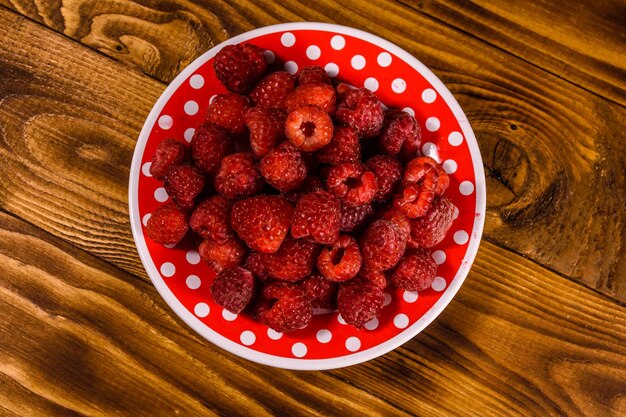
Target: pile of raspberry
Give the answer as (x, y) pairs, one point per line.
(303, 195)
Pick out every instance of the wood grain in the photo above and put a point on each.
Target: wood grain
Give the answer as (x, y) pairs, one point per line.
(548, 146)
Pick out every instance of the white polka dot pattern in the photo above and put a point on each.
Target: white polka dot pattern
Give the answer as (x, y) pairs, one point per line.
(196, 81)
(353, 344)
(384, 59)
(229, 315)
(168, 269)
(323, 336)
(358, 62)
(165, 122)
(338, 42)
(313, 52)
(160, 195)
(201, 310)
(401, 321)
(247, 338)
(193, 282)
(299, 349)
(288, 39)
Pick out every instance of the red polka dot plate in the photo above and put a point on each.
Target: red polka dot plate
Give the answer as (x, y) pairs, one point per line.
(400, 81)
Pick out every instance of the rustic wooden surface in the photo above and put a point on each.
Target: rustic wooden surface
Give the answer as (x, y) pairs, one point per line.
(539, 327)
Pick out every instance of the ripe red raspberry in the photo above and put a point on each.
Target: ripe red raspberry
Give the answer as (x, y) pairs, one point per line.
(311, 183)
(209, 146)
(238, 176)
(341, 261)
(272, 90)
(424, 168)
(359, 302)
(211, 219)
(255, 263)
(401, 135)
(169, 153)
(167, 225)
(293, 261)
(388, 172)
(354, 217)
(267, 128)
(343, 147)
(321, 292)
(361, 110)
(183, 184)
(415, 271)
(221, 255)
(317, 217)
(309, 128)
(313, 74)
(239, 67)
(350, 182)
(429, 230)
(382, 245)
(400, 220)
(321, 96)
(376, 278)
(283, 307)
(262, 222)
(233, 289)
(227, 111)
(283, 167)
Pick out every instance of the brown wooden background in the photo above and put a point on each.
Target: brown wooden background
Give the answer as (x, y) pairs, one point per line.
(539, 327)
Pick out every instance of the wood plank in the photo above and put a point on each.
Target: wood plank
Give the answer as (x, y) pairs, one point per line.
(548, 146)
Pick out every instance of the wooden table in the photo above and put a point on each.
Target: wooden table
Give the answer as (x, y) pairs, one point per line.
(539, 327)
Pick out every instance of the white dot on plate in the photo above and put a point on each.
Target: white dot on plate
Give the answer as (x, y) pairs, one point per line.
(384, 59)
(299, 349)
(353, 344)
(449, 165)
(430, 149)
(358, 62)
(169, 245)
(146, 218)
(269, 56)
(273, 334)
(313, 52)
(193, 282)
(212, 98)
(371, 84)
(410, 296)
(331, 69)
(323, 336)
(455, 213)
(247, 337)
(466, 188)
(340, 319)
(196, 81)
(372, 324)
(429, 95)
(439, 256)
(288, 39)
(165, 122)
(291, 67)
(168, 269)
(409, 111)
(460, 237)
(439, 284)
(160, 195)
(432, 124)
(229, 315)
(387, 299)
(201, 310)
(455, 138)
(398, 85)
(191, 108)
(189, 134)
(401, 321)
(145, 169)
(337, 42)
(192, 257)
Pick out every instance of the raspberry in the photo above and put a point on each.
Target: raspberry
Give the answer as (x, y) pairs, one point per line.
(316, 217)
(262, 222)
(401, 135)
(167, 225)
(382, 245)
(423, 179)
(233, 289)
(309, 128)
(359, 302)
(352, 218)
(239, 67)
(283, 167)
(227, 111)
(313, 75)
(169, 153)
(272, 90)
(255, 263)
(208, 147)
(388, 172)
(183, 183)
(400, 220)
(284, 307)
(293, 261)
(311, 183)
(361, 110)
(343, 147)
(350, 182)
(221, 255)
(211, 219)
(319, 291)
(415, 271)
(341, 261)
(425, 168)
(267, 128)
(429, 230)
(318, 95)
(238, 176)
(377, 278)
